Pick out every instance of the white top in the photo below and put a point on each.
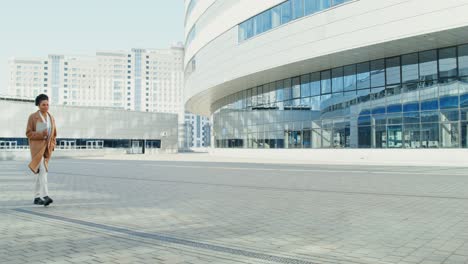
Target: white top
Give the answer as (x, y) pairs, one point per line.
(47, 122)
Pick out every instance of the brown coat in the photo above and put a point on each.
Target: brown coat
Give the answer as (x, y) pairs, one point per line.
(39, 146)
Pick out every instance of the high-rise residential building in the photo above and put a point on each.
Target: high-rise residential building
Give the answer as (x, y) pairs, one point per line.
(329, 73)
(200, 130)
(147, 80)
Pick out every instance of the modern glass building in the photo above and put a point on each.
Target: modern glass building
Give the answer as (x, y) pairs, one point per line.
(330, 74)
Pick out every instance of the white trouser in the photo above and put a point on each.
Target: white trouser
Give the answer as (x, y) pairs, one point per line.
(41, 189)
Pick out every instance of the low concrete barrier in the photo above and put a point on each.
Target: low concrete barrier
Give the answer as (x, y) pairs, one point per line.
(429, 157)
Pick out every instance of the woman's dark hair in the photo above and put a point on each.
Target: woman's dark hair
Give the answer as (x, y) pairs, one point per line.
(40, 98)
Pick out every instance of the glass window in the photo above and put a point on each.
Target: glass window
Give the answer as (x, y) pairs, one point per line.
(363, 95)
(363, 75)
(296, 87)
(287, 89)
(254, 96)
(463, 60)
(411, 107)
(451, 115)
(350, 78)
(260, 95)
(325, 82)
(246, 30)
(315, 84)
(337, 2)
(377, 73)
(395, 108)
(310, 7)
(298, 8)
(428, 65)
(429, 116)
(430, 105)
(337, 80)
(378, 110)
(447, 62)
(305, 85)
(410, 68)
(258, 24)
(393, 70)
(286, 12)
(279, 91)
(449, 102)
(411, 117)
(315, 103)
(276, 16)
(314, 6)
(430, 135)
(464, 101)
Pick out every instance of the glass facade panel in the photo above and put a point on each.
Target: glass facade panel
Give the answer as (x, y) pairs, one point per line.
(276, 16)
(448, 62)
(448, 102)
(298, 8)
(305, 85)
(315, 84)
(363, 75)
(325, 82)
(287, 91)
(338, 2)
(411, 135)
(337, 80)
(286, 12)
(279, 91)
(296, 87)
(428, 65)
(349, 78)
(410, 68)
(385, 103)
(377, 73)
(430, 135)
(393, 70)
(463, 60)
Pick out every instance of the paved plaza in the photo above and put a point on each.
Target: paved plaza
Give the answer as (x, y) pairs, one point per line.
(117, 211)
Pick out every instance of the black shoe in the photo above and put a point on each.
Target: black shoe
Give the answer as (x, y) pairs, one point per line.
(38, 201)
(47, 201)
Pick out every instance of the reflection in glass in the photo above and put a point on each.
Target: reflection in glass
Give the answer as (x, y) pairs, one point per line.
(337, 80)
(428, 65)
(363, 75)
(463, 60)
(350, 77)
(325, 82)
(410, 68)
(315, 84)
(305, 85)
(286, 12)
(298, 8)
(448, 62)
(393, 70)
(326, 109)
(377, 73)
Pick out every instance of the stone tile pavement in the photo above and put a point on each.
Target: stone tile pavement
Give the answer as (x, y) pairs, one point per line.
(190, 212)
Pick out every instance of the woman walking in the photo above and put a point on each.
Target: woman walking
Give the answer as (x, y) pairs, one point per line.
(42, 133)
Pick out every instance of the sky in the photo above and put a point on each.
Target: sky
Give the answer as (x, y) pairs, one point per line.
(33, 28)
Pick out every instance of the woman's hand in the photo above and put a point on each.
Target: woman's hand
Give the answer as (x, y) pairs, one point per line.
(45, 133)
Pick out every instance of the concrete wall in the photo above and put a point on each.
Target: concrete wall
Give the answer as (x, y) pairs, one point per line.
(95, 123)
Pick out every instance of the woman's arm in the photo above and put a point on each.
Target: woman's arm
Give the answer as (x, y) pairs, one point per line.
(30, 133)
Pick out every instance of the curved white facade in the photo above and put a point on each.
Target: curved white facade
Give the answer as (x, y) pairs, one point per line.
(348, 33)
